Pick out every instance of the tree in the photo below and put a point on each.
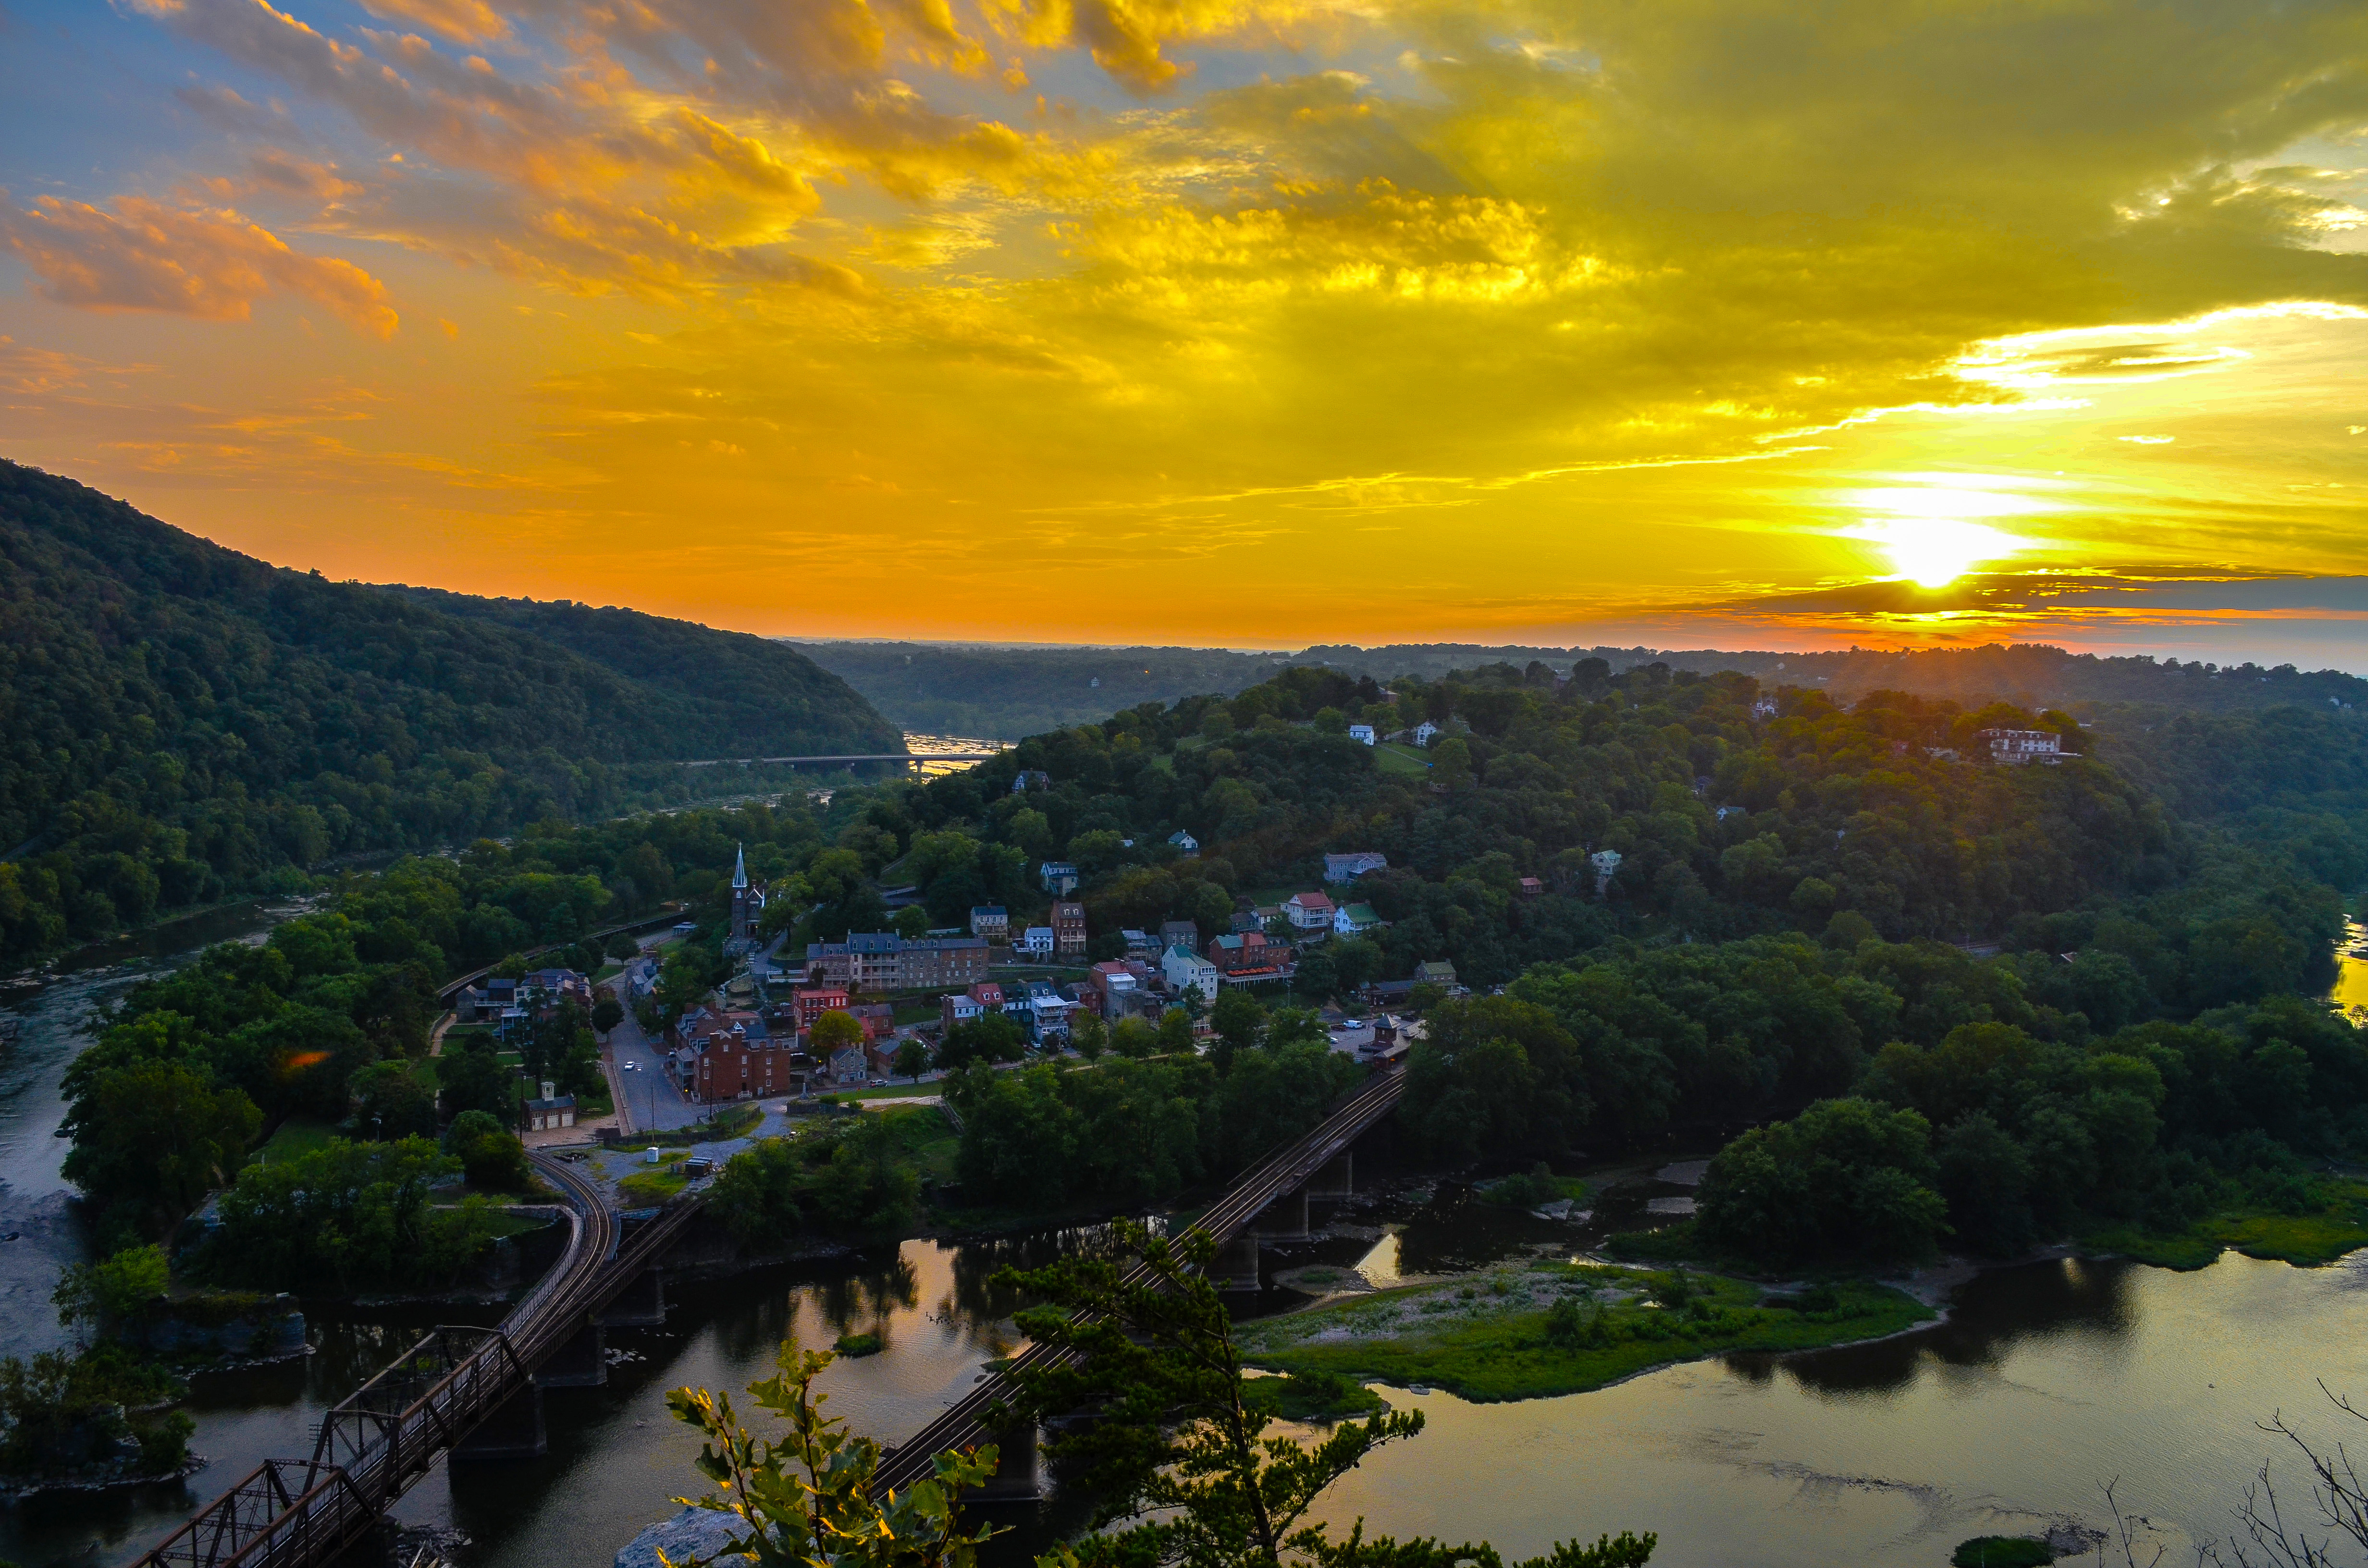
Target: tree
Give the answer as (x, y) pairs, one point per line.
(833, 1032)
(1175, 1032)
(912, 1059)
(1497, 1077)
(807, 1498)
(1237, 1017)
(116, 1293)
(990, 1037)
(1176, 1448)
(471, 1076)
(356, 1214)
(1356, 962)
(911, 923)
(1844, 1179)
(622, 947)
(1089, 1035)
(152, 1138)
(391, 1102)
(606, 1014)
(491, 1156)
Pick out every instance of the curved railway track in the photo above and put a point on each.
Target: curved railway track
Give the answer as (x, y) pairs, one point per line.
(393, 1429)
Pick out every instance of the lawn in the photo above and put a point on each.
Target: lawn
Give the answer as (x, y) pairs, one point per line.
(1390, 757)
(1555, 1328)
(648, 1188)
(2308, 1240)
(298, 1135)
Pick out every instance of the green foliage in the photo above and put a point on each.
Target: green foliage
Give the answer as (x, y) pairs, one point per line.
(390, 1101)
(2001, 1552)
(1179, 1451)
(491, 1156)
(115, 1294)
(808, 1498)
(1315, 1398)
(854, 1346)
(152, 1137)
(853, 1177)
(1846, 1178)
(61, 1414)
(1127, 1130)
(472, 1080)
(189, 722)
(1556, 1329)
(356, 1215)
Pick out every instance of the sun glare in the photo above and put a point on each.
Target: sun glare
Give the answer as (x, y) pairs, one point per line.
(1936, 552)
(1929, 531)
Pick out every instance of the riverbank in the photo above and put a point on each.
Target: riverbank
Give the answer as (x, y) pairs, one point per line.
(1546, 1328)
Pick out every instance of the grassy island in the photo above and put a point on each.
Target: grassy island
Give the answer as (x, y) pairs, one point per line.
(1554, 1328)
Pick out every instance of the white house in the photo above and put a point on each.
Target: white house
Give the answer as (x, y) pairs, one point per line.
(1308, 912)
(1361, 733)
(1058, 877)
(1037, 942)
(1425, 733)
(1356, 863)
(1187, 970)
(1606, 862)
(2015, 747)
(1355, 920)
(1187, 846)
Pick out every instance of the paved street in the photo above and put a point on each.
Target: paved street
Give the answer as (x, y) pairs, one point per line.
(650, 1101)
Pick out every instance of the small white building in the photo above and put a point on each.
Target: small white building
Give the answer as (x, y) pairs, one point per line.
(1356, 863)
(1187, 970)
(1036, 942)
(1425, 733)
(1606, 862)
(1355, 920)
(1361, 733)
(1308, 912)
(1185, 844)
(2015, 747)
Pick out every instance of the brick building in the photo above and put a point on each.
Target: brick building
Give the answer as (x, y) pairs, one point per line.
(1069, 930)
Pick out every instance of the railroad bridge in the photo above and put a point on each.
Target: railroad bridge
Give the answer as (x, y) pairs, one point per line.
(476, 1393)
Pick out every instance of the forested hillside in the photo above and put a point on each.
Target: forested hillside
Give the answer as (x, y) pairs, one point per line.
(1008, 692)
(179, 721)
(1004, 693)
(1803, 907)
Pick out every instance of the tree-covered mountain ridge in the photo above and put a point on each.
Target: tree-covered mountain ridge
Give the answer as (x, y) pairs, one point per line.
(1015, 691)
(180, 722)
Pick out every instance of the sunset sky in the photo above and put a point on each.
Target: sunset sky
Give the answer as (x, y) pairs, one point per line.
(1729, 322)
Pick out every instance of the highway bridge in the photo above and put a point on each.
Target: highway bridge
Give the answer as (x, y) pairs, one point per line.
(841, 761)
(475, 1392)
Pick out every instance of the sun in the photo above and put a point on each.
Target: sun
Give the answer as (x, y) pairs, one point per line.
(1933, 553)
(1929, 531)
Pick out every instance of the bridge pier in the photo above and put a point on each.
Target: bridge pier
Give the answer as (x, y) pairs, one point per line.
(581, 1362)
(513, 1431)
(1235, 1267)
(1284, 1220)
(1335, 1181)
(1019, 1467)
(641, 1304)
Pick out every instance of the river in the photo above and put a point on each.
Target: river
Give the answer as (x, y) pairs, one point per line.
(2049, 1380)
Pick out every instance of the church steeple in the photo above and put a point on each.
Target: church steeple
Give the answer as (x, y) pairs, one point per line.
(739, 866)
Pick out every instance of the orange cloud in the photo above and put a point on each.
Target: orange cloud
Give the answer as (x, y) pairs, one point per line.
(214, 266)
(461, 21)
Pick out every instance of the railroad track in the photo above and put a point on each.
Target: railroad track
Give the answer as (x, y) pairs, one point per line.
(964, 1424)
(394, 1429)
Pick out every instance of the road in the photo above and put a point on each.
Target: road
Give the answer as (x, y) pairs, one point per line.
(651, 1103)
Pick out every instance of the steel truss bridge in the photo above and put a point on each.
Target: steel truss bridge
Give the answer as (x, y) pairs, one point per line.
(440, 1396)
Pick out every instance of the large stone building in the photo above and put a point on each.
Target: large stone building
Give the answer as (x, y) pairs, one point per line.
(875, 961)
(747, 904)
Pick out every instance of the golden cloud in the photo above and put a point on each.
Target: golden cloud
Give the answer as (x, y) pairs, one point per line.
(214, 266)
